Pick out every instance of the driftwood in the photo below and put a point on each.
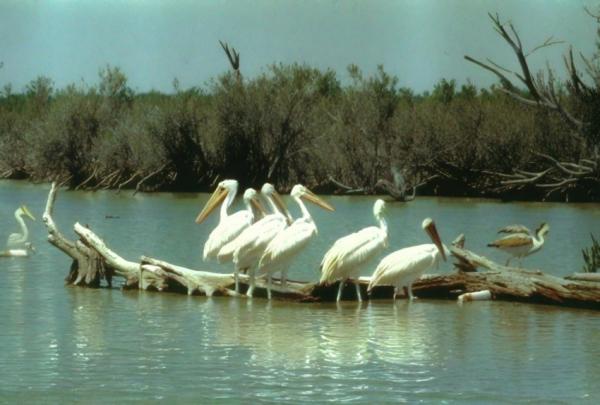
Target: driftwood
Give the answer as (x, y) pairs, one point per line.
(94, 262)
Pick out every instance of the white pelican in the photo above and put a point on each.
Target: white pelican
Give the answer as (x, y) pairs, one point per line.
(289, 242)
(402, 267)
(17, 243)
(521, 242)
(247, 248)
(230, 226)
(349, 254)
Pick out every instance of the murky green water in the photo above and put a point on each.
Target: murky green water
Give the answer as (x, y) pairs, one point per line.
(102, 346)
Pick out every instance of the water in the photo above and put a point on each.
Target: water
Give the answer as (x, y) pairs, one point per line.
(62, 344)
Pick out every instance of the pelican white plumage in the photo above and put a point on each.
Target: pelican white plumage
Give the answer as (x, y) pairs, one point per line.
(351, 253)
(18, 244)
(248, 247)
(290, 241)
(520, 242)
(402, 267)
(230, 225)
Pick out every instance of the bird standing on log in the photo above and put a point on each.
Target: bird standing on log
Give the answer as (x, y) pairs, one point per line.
(230, 226)
(521, 242)
(290, 241)
(351, 253)
(247, 248)
(402, 267)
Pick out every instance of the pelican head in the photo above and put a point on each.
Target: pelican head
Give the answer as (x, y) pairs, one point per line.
(429, 227)
(224, 188)
(268, 190)
(542, 230)
(379, 208)
(300, 191)
(250, 194)
(23, 210)
(251, 198)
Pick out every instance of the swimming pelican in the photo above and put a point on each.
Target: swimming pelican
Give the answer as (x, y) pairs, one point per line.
(230, 226)
(521, 242)
(247, 248)
(17, 243)
(349, 254)
(18, 240)
(289, 242)
(402, 267)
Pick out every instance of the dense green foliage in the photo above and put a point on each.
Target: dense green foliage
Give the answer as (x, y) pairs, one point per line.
(290, 124)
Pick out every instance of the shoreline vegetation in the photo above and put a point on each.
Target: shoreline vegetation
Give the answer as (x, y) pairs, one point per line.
(294, 123)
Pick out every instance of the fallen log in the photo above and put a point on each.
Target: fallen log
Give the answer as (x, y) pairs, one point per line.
(94, 262)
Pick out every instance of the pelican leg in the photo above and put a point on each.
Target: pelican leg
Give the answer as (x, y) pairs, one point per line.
(358, 295)
(339, 294)
(269, 281)
(410, 294)
(252, 283)
(395, 293)
(283, 278)
(237, 280)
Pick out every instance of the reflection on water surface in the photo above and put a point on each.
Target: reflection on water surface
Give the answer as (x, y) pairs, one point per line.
(68, 344)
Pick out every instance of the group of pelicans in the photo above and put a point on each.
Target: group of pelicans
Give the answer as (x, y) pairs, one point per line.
(263, 244)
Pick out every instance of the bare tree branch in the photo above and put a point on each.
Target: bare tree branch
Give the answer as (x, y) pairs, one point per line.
(233, 56)
(548, 42)
(542, 91)
(596, 16)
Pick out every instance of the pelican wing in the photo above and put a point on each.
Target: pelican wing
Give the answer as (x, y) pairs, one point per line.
(351, 251)
(404, 266)
(512, 241)
(516, 228)
(253, 239)
(287, 244)
(15, 240)
(227, 230)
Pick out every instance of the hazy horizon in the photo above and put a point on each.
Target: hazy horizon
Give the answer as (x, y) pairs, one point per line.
(154, 42)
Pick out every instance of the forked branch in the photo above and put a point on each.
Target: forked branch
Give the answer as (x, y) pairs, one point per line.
(233, 56)
(541, 90)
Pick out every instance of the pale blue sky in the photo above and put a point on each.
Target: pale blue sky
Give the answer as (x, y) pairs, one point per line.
(155, 41)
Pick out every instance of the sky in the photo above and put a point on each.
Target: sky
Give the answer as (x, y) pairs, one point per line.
(155, 41)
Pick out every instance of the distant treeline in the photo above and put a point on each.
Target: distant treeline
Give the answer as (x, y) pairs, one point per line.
(291, 124)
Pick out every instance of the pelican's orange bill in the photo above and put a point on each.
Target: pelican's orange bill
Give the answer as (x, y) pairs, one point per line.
(213, 202)
(313, 198)
(435, 237)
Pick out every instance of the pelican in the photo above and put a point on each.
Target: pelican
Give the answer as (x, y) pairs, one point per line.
(230, 226)
(248, 247)
(402, 267)
(516, 228)
(349, 254)
(17, 243)
(521, 242)
(289, 242)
